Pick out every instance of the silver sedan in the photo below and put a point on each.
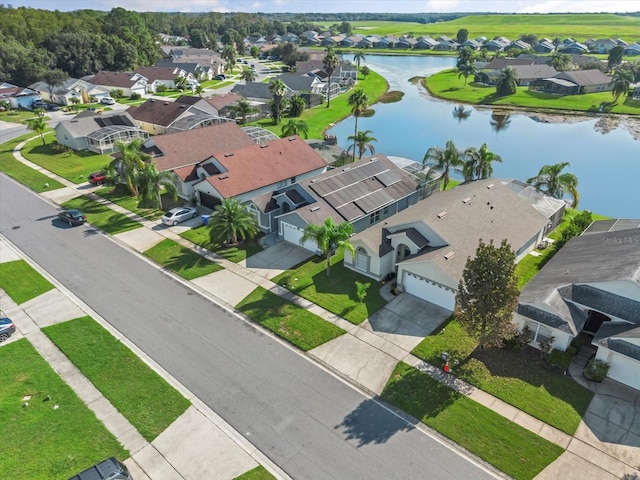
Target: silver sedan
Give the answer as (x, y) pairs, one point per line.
(178, 215)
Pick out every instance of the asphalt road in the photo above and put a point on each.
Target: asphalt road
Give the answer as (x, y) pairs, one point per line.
(307, 421)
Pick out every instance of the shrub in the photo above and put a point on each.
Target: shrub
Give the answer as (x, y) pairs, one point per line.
(135, 96)
(574, 347)
(559, 359)
(596, 370)
(116, 93)
(58, 147)
(161, 88)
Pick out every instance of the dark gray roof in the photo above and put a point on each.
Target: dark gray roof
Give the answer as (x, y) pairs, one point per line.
(297, 83)
(613, 335)
(253, 90)
(612, 225)
(585, 77)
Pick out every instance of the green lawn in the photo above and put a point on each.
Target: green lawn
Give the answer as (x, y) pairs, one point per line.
(335, 293)
(121, 196)
(447, 85)
(137, 392)
(40, 442)
(102, 216)
(18, 116)
(186, 263)
(21, 281)
(202, 236)
(74, 166)
(27, 176)
(258, 473)
(509, 447)
(293, 323)
(519, 378)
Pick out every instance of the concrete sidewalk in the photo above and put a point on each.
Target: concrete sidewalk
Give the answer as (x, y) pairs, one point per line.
(367, 353)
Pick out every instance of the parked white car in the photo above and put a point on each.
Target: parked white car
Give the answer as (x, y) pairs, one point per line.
(107, 101)
(178, 215)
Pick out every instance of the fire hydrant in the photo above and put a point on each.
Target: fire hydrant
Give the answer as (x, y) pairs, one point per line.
(446, 367)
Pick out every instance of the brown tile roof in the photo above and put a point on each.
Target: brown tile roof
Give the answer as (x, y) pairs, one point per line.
(221, 101)
(194, 146)
(188, 173)
(113, 79)
(254, 167)
(158, 112)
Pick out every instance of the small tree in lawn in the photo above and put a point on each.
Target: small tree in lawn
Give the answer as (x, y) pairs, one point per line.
(361, 290)
(488, 294)
(330, 238)
(365, 71)
(38, 124)
(232, 222)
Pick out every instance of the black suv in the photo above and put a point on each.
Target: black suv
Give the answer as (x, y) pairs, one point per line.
(109, 469)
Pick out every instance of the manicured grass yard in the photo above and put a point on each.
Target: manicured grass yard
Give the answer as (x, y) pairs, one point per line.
(21, 281)
(517, 377)
(336, 293)
(202, 236)
(289, 321)
(27, 176)
(75, 166)
(186, 263)
(258, 473)
(102, 216)
(139, 393)
(504, 444)
(121, 196)
(38, 441)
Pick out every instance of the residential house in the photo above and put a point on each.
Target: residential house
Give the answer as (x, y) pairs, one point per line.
(425, 43)
(519, 45)
(473, 44)
(290, 37)
(18, 97)
(497, 45)
(575, 47)
(363, 193)
(309, 37)
(427, 245)
(525, 68)
(165, 76)
(632, 50)
(530, 73)
(591, 286)
(405, 43)
(574, 82)
(544, 47)
(223, 103)
(603, 45)
(98, 131)
(201, 56)
(194, 69)
(72, 88)
(129, 82)
(448, 46)
(552, 208)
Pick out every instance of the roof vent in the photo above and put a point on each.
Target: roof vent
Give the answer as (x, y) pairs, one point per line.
(466, 200)
(291, 139)
(442, 214)
(228, 155)
(490, 186)
(222, 177)
(450, 255)
(314, 209)
(166, 103)
(264, 145)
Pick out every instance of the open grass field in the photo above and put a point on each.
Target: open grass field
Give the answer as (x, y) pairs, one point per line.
(41, 442)
(139, 393)
(579, 27)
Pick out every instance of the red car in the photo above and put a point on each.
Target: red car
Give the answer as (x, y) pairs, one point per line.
(96, 178)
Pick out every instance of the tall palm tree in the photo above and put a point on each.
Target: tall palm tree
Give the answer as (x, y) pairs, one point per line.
(151, 184)
(38, 125)
(622, 80)
(330, 62)
(507, 82)
(358, 57)
(180, 82)
(277, 89)
(362, 141)
(132, 162)
(443, 160)
(232, 222)
(551, 181)
(248, 75)
(330, 238)
(295, 127)
(199, 90)
(296, 106)
(479, 162)
(359, 102)
(243, 109)
(466, 69)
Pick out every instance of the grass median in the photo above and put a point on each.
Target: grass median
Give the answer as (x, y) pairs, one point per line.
(293, 323)
(186, 263)
(56, 435)
(101, 216)
(132, 387)
(22, 282)
(509, 447)
(258, 473)
(202, 236)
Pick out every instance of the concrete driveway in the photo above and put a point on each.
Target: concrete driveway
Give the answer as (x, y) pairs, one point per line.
(276, 259)
(406, 320)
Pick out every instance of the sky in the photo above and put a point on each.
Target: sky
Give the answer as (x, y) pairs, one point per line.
(335, 6)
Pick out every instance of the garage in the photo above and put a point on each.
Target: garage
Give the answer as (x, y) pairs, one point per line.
(293, 234)
(430, 291)
(208, 201)
(624, 370)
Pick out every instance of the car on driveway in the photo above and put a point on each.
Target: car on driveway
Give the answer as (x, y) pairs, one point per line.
(107, 101)
(178, 215)
(96, 178)
(220, 77)
(39, 104)
(72, 217)
(7, 327)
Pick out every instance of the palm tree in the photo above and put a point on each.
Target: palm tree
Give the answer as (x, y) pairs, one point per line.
(111, 176)
(38, 125)
(180, 82)
(277, 89)
(248, 75)
(443, 160)
(295, 127)
(500, 121)
(560, 61)
(243, 109)
(132, 162)
(199, 90)
(362, 141)
(465, 56)
(231, 222)
(551, 181)
(330, 238)
(622, 80)
(507, 82)
(330, 62)
(479, 162)
(358, 57)
(151, 184)
(359, 102)
(465, 70)
(296, 106)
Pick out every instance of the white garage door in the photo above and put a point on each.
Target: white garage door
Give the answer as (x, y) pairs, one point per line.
(625, 370)
(293, 234)
(426, 290)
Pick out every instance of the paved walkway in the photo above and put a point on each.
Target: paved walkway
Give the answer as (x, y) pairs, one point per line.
(366, 357)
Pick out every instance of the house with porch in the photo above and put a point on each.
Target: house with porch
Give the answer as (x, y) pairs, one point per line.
(591, 287)
(18, 97)
(426, 246)
(72, 88)
(574, 82)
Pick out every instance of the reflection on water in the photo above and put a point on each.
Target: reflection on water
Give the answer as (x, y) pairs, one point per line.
(602, 153)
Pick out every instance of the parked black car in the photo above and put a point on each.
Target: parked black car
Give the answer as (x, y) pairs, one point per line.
(109, 469)
(52, 107)
(39, 104)
(7, 327)
(72, 217)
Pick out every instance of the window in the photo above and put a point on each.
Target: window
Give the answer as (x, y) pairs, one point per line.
(538, 333)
